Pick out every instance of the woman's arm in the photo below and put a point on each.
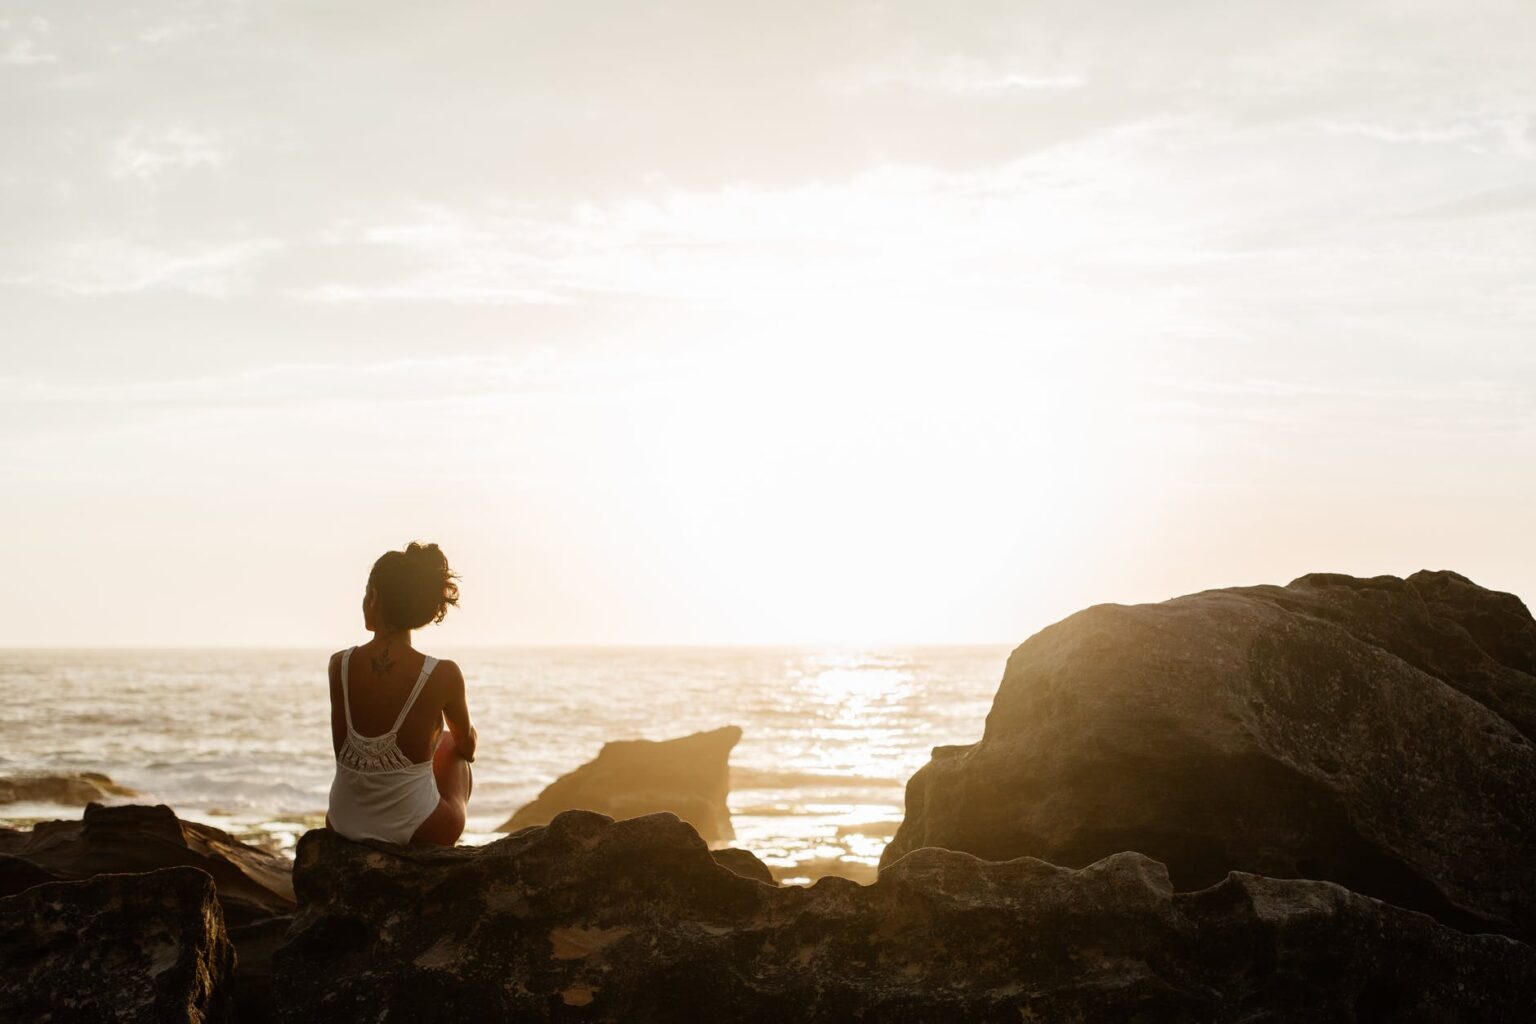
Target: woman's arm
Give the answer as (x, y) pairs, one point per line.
(456, 710)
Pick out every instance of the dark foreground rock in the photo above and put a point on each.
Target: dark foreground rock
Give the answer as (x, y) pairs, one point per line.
(689, 776)
(592, 919)
(142, 947)
(252, 883)
(254, 886)
(1373, 732)
(74, 789)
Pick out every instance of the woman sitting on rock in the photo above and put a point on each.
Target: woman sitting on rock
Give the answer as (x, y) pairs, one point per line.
(399, 776)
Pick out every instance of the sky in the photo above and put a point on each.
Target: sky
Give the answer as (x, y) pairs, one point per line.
(717, 323)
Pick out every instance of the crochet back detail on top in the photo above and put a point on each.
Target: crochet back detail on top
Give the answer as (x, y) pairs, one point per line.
(378, 753)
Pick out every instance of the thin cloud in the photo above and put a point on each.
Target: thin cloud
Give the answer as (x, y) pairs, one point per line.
(958, 76)
(23, 42)
(143, 154)
(118, 266)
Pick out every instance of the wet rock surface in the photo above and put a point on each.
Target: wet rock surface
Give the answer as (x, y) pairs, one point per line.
(1372, 732)
(132, 947)
(592, 919)
(688, 776)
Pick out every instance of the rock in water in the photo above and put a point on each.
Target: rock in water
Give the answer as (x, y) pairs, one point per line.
(635, 921)
(252, 883)
(1372, 732)
(140, 947)
(689, 776)
(71, 789)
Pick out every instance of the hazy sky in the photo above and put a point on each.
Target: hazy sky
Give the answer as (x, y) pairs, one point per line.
(751, 322)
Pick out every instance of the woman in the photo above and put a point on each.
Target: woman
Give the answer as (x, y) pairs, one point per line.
(399, 776)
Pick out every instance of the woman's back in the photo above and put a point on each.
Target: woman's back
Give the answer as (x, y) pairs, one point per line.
(384, 692)
(399, 777)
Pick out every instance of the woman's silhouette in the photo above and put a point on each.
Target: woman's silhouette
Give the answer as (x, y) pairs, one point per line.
(399, 776)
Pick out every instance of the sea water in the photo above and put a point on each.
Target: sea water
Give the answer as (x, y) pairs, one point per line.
(241, 738)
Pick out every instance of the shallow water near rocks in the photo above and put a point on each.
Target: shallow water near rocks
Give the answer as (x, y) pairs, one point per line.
(240, 738)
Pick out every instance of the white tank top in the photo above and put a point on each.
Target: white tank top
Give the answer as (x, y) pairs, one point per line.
(378, 792)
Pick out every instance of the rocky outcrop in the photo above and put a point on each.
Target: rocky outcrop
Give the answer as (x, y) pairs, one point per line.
(1372, 732)
(745, 864)
(252, 883)
(689, 776)
(138, 947)
(254, 887)
(634, 920)
(73, 789)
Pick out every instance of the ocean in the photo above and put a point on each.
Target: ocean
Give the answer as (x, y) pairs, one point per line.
(240, 738)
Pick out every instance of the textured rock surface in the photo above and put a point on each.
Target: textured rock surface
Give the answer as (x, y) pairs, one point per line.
(72, 788)
(591, 919)
(252, 883)
(1374, 732)
(689, 776)
(139, 947)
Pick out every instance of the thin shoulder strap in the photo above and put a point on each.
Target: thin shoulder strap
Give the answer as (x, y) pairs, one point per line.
(427, 665)
(346, 701)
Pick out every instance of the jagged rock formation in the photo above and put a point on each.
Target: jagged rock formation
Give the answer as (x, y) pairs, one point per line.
(689, 776)
(74, 789)
(1373, 732)
(252, 883)
(138, 947)
(633, 920)
(254, 886)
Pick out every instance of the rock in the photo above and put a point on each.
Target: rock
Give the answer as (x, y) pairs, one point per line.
(71, 789)
(252, 883)
(136, 947)
(689, 776)
(255, 943)
(634, 920)
(1372, 732)
(744, 863)
(17, 874)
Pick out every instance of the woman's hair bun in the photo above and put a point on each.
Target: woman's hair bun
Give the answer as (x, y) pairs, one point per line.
(414, 586)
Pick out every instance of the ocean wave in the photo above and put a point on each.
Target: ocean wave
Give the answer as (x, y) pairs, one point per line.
(777, 778)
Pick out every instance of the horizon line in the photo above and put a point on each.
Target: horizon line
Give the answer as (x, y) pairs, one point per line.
(573, 645)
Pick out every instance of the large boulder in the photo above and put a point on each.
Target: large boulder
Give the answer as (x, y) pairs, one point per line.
(1373, 732)
(635, 921)
(689, 776)
(75, 789)
(138, 947)
(252, 883)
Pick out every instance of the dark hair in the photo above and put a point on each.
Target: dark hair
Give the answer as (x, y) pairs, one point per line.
(414, 586)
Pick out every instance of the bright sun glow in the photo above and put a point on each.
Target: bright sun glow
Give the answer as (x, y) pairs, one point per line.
(924, 327)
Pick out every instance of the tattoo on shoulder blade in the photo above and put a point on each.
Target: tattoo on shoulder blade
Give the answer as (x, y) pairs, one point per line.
(382, 662)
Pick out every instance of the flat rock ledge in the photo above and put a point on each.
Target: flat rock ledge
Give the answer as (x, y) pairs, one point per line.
(689, 776)
(594, 919)
(145, 947)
